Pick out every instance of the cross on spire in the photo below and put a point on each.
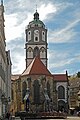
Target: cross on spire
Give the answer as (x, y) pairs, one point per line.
(36, 7)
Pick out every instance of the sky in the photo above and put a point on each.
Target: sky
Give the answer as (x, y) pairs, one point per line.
(62, 20)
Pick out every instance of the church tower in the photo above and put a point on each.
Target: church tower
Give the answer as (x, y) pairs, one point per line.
(36, 40)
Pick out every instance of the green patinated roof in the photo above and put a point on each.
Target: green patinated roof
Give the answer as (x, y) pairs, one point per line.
(36, 22)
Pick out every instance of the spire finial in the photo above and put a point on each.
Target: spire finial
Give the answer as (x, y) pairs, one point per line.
(36, 7)
(36, 14)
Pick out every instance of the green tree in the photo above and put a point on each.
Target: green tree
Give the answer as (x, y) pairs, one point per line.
(78, 74)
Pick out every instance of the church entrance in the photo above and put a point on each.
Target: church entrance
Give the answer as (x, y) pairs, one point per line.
(61, 105)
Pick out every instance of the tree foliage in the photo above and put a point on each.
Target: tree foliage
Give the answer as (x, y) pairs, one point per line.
(78, 74)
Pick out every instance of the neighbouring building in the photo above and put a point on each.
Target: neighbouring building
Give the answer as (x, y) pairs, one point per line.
(36, 89)
(74, 83)
(5, 67)
(62, 87)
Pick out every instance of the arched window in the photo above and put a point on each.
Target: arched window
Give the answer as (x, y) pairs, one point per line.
(36, 92)
(29, 52)
(61, 92)
(42, 52)
(29, 35)
(48, 89)
(24, 87)
(43, 35)
(36, 51)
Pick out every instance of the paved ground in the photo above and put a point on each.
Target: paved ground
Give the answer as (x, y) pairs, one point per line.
(68, 118)
(73, 118)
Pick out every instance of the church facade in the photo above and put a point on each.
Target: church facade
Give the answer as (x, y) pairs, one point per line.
(36, 88)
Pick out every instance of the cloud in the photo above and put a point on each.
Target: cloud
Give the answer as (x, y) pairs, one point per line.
(45, 10)
(11, 6)
(17, 53)
(20, 12)
(15, 22)
(62, 63)
(59, 60)
(14, 30)
(65, 34)
(17, 57)
(19, 65)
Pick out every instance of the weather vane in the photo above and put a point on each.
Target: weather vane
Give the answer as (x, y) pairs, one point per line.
(36, 7)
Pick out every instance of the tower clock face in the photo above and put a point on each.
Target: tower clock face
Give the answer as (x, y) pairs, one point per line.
(36, 32)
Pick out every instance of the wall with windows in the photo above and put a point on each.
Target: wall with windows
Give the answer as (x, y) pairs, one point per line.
(32, 88)
(34, 50)
(62, 87)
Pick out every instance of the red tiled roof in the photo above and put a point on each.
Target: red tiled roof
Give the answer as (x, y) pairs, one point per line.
(60, 77)
(36, 67)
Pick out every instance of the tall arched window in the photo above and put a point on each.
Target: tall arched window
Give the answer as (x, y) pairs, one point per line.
(42, 52)
(36, 92)
(24, 87)
(36, 51)
(61, 92)
(48, 89)
(29, 52)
